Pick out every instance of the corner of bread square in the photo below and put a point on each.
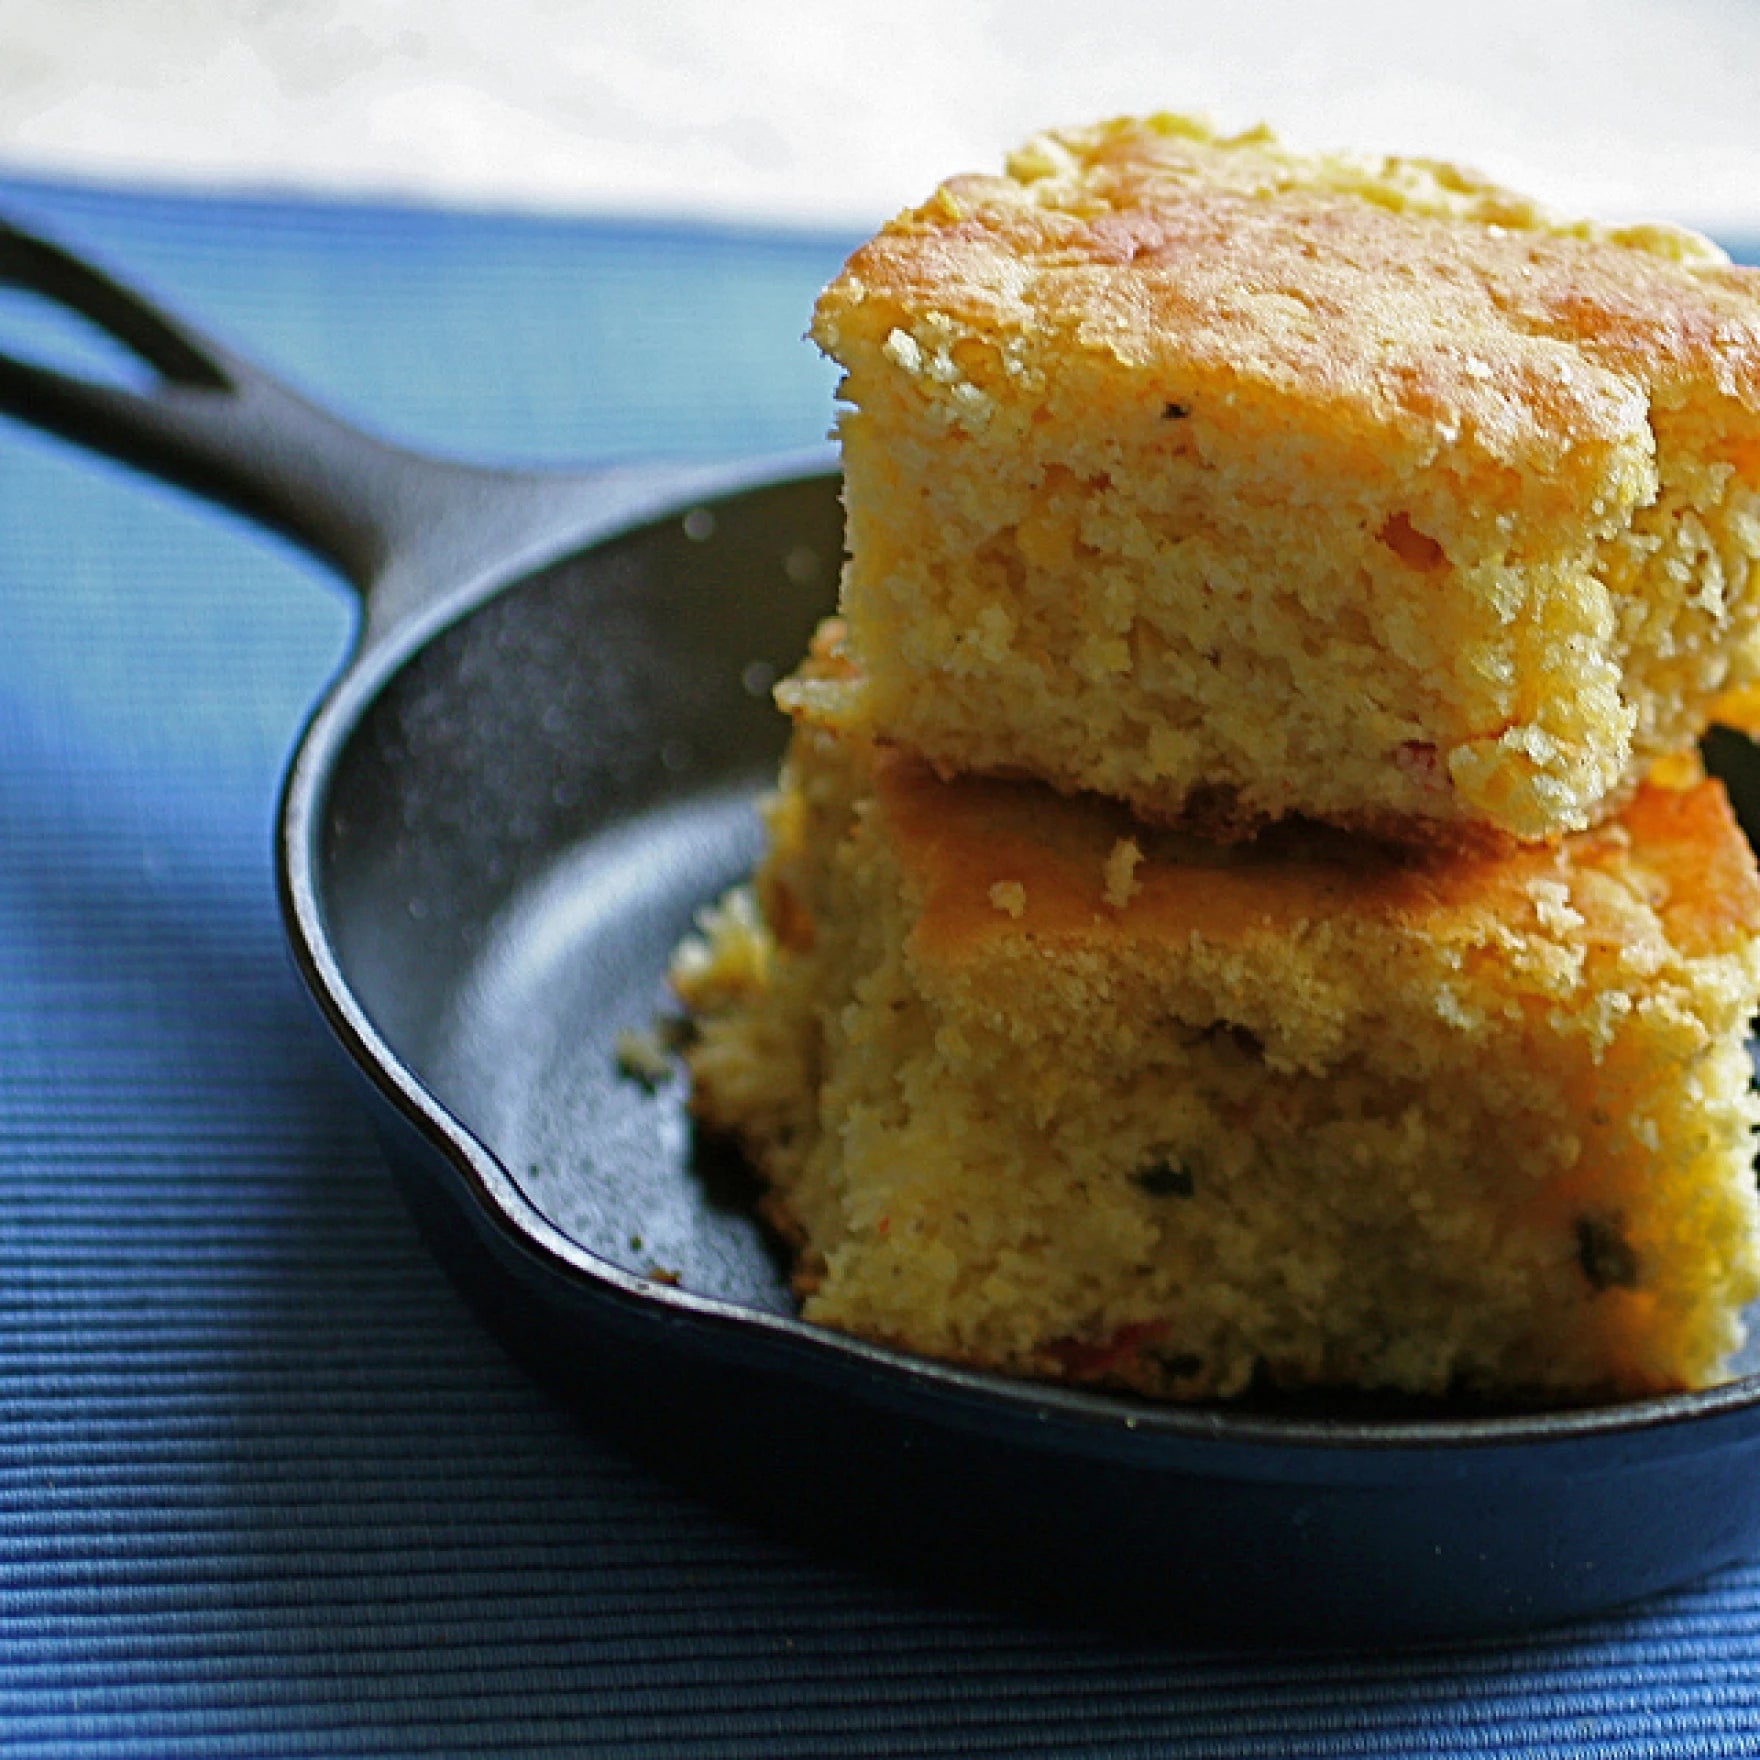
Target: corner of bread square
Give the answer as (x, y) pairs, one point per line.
(1364, 490)
(1037, 1089)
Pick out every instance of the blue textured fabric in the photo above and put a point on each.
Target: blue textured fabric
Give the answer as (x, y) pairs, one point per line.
(266, 1488)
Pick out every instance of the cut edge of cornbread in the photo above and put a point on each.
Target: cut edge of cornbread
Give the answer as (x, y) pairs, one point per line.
(1232, 481)
(1039, 1090)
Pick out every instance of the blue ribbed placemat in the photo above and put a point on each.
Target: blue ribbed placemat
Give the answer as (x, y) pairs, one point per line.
(265, 1486)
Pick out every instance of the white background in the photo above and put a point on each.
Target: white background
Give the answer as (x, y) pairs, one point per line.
(841, 113)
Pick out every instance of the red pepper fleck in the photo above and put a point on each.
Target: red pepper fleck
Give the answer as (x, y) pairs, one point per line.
(1083, 1362)
(1420, 761)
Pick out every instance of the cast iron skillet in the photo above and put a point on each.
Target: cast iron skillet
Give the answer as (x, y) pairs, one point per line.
(537, 763)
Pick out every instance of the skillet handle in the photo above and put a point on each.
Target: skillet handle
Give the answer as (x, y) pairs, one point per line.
(403, 527)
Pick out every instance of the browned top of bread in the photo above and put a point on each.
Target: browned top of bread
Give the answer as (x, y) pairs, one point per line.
(1675, 863)
(1179, 267)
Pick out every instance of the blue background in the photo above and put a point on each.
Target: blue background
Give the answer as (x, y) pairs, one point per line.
(266, 1487)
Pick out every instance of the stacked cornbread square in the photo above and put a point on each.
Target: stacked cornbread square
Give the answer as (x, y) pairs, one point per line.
(1206, 475)
(1217, 930)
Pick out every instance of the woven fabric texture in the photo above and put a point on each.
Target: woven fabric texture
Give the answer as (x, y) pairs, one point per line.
(266, 1487)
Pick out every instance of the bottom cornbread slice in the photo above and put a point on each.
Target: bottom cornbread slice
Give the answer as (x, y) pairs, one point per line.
(1039, 1090)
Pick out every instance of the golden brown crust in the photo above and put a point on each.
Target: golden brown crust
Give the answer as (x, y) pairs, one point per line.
(1679, 851)
(1389, 296)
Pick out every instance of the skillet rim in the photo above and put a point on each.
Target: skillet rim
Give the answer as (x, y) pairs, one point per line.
(1057, 1418)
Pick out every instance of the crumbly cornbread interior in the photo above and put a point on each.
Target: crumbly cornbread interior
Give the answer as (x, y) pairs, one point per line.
(1234, 482)
(1038, 1089)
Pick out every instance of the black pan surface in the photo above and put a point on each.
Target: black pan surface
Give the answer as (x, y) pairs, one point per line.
(520, 829)
(539, 763)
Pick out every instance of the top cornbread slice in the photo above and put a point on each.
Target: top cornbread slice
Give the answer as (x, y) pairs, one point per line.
(1226, 480)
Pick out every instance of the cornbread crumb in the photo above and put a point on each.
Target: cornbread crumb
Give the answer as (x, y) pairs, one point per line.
(1122, 884)
(642, 1057)
(1238, 483)
(1310, 1113)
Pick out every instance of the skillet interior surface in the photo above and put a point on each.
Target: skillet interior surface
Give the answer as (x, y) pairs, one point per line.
(521, 829)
